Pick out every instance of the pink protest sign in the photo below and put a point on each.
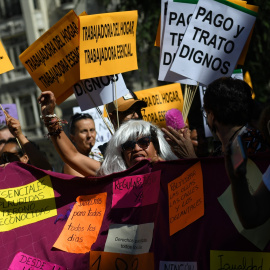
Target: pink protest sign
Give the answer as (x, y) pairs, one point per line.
(136, 190)
(23, 261)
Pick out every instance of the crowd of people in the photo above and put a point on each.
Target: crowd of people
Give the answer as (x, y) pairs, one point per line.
(228, 109)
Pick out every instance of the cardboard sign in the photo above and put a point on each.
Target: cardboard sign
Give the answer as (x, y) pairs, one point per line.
(23, 261)
(27, 204)
(213, 41)
(53, 59)
(11, 110)
(83, 224)
(137, 190)
(94, 92)
(220, 259)
(178, 16)
(108, 44)
(5, 63)
(159, 100)
(104, 260)
(186, 198)
(129, 239)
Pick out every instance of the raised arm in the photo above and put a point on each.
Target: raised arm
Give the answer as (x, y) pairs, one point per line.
(36, 157)
(65, 148)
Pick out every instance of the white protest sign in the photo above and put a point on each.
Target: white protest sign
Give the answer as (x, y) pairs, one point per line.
(129, 239)
(103, 134)
(213, 41)
(165, 265)
(178, 16)
(164, 4)
(101, 90)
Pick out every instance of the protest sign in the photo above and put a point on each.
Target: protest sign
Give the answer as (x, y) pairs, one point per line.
(104, 260)
(23, 261)
(83, 224)
(159, 100)
(186, 198)
(53, 59)
(213, 41)
(94, 92)
(220, 259)
(135, 191)
(27, 204)
(178, 16)
(166, 265)
(11, 109)
(5, 63)
(108, 44)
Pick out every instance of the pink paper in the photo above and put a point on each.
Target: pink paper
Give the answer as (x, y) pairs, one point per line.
(23, 261)
(136, 190)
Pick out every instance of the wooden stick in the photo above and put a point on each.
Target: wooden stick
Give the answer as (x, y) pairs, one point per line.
(6, 117)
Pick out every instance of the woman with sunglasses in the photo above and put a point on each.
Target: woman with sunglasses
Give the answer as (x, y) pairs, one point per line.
(135, 140)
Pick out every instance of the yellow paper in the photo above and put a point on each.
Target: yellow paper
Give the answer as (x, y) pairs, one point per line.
(5, 64)
(83, 224)
(26, 204)
(157, 41)
(105, 260)
(159, 100)
(108, 44)
(186, 199)
(239, 260)
(53, 59)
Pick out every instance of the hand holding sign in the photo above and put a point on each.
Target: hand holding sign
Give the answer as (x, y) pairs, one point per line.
(14, 125)
(47, 102)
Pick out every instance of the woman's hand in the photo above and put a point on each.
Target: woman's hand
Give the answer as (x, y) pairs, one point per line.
(14, 125)
(47, 102)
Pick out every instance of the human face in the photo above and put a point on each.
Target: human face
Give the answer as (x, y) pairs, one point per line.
(84, 137)
(9, 153)
(138, 153)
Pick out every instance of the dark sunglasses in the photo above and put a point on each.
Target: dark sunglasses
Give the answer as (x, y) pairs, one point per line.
(142, 142)
(7, 157)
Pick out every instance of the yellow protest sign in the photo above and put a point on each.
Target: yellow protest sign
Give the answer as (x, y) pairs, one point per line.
(159, 100)
(105, 260)
(53, 59)
(186, 198)
(220, 259)
(27, 204)
(83, 224)
(5, 64)
(108, 44)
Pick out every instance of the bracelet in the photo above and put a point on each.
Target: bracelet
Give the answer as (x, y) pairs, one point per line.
(48, 115)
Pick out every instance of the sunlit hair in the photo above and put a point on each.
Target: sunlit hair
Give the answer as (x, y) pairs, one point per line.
(132, 130)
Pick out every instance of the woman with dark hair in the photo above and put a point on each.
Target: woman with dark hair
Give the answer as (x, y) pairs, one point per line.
(228, 108)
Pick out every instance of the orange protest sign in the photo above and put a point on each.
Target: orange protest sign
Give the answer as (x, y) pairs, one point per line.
(5, 64)
(159, 100)
(186, 199)
(53, 59)
(104, 260)
(108, 44)
(157, 41)
(83, 224)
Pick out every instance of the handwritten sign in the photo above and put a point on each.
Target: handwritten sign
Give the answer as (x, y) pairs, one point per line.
(239, 260)
(11, 110)
(53, 59)
(159, 100)
(94, 92)
(23, 261)
(106, 260)
(178, 16)
(108, 44)
(213, 41)
(5, 63)
(136, 190)
(26, 204)
(129, 239)
(83, 224)
(166, 265)
(186, 198)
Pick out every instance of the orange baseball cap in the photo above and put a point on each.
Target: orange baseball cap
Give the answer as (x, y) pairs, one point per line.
(124, 103)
